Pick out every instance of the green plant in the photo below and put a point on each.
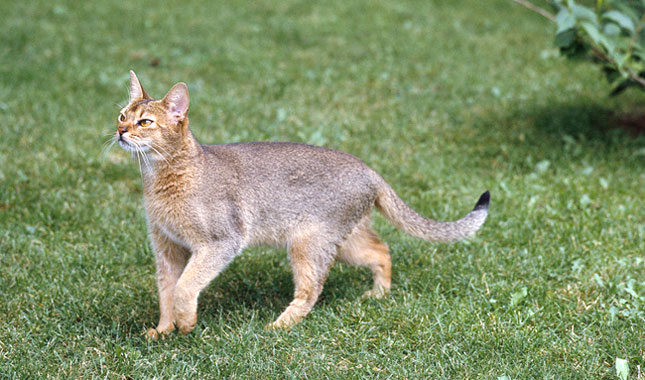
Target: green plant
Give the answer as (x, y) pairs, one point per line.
(610, 32)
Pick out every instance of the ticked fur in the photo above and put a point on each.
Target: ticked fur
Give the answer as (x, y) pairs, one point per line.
(206, 203)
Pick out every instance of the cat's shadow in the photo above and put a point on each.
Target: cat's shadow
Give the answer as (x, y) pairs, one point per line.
(261, 282)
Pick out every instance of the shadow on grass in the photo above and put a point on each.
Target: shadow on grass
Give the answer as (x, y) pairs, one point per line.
(255, 281)
(260, 281)
(590, 122)
(586, 123)
(518, 137)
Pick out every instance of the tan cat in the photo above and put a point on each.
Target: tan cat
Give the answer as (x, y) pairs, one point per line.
(206, 203)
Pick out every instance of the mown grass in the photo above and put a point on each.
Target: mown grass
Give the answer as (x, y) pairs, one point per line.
(444, 99)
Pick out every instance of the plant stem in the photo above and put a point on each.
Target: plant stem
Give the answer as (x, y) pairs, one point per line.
(635, 35)
(536, 9)
(632, 75)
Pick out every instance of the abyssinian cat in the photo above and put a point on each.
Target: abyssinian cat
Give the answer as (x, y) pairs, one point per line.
(206, 203)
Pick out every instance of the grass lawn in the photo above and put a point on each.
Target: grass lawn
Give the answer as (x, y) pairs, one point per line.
(444, 98)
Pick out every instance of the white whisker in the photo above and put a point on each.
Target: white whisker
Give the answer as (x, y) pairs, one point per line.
(107, 146)
(161, 149)
(159, 153)
(139, 161)
(146, 159)
(107, 143)
(143, 156)
(109, 136)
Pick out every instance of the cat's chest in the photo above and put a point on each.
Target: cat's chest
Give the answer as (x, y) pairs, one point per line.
(173, 215)
(172, 219)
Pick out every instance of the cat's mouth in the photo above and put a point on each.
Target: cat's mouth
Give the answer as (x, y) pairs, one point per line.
(131, 144)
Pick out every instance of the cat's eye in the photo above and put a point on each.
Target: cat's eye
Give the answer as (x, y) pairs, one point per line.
(121, 117)
(145, 122)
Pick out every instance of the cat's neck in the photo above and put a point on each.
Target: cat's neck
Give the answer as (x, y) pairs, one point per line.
(173, 165)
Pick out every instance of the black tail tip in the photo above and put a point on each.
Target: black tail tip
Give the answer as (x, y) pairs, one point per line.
(483, 201)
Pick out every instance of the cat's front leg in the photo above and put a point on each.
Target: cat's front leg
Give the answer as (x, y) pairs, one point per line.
(171, 260)
(206, 262)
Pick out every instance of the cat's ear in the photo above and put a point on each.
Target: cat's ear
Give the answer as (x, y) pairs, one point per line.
(176, 101)
(136, 91)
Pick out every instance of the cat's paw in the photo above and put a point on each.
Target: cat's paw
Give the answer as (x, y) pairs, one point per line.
(156, 333)
(287, 319)
(185, 313)
(278, 325)
(153, 335)
(187, 323)
(377, 293)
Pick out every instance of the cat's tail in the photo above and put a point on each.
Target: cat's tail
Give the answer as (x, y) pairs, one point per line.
(408, 220)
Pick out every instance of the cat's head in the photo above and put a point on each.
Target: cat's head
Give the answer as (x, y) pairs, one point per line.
(153, 126)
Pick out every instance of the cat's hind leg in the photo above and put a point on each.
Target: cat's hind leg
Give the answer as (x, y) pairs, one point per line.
(311, 255)
(364, 248)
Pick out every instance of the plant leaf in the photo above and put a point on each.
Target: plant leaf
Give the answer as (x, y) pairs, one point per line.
(598, 38)
(592, 31)
(639, 53)
(622, 369)
(621, 19)
(518, 297)
(565, 39)
(611, 29)
(565, 20)
(622, 86)
(583, 13)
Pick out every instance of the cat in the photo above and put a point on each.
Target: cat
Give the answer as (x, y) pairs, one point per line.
(205, 203)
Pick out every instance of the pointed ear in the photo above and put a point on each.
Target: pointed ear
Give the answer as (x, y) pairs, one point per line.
(136, 91)
(176, 100)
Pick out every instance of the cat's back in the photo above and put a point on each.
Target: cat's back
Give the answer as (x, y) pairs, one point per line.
(276, 157)
(292, 170)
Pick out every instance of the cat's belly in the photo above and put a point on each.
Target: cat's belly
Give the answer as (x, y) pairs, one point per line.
(274, 237)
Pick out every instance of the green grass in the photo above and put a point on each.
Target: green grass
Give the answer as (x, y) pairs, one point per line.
(444, 98)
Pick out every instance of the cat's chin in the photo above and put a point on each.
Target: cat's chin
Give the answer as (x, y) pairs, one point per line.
(133, 147)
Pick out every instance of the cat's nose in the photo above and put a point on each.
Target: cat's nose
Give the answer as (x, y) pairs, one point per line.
(122, 129)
